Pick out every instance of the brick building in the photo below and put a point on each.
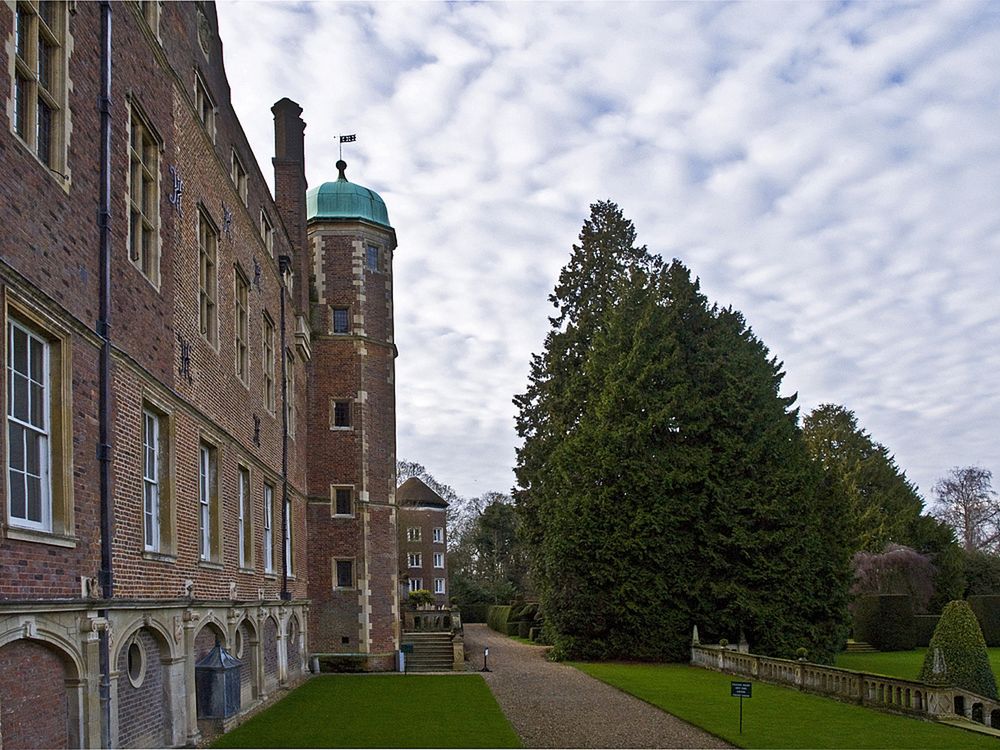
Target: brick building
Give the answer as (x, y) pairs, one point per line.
(423, 540)
(172, 444)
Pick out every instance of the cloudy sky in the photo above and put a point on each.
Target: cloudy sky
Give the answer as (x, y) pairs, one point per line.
(830, 169)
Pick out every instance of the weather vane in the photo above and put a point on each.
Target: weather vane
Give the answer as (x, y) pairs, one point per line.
(346, 139)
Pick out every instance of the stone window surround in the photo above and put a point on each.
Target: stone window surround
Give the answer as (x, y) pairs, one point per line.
(165, 548)
(334, 490)
(336, 573)
(136, 115)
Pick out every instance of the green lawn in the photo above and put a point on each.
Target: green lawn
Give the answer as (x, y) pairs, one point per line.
(775, 717)
(380, 711)
(905, 664)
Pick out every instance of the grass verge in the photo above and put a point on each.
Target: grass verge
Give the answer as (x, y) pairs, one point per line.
(775, 717)
(903, 664)
(380, 711)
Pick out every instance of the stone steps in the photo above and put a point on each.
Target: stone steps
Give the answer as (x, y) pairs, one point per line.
(432, 652)
(860, 647)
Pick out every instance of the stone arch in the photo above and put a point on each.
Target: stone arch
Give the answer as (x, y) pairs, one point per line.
(159, 630)
(995, 718)
(919, 700)
(960, 705)
(293, 648)
(977, 713)
(211, 631)
(246, 649)
(269, 648)
(54, 684)
(144, 689)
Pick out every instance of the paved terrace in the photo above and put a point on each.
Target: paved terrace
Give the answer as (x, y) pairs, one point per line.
(553, 705)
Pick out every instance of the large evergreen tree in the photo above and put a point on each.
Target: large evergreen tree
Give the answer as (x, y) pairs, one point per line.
(663, 481)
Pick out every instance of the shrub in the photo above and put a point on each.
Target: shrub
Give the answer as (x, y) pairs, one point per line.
(421, 596)
(513, 628)
(960, 643)
(923, 628)
(496, 617)
(523, 628)
(533, 634)
(885, 621)
(987, 612)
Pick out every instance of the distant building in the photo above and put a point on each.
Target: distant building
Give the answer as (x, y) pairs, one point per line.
(199, 436)
(423, 540)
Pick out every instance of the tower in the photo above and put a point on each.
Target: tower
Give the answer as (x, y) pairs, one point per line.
(352, 428)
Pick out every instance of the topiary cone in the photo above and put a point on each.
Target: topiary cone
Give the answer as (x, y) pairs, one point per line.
(957, 653)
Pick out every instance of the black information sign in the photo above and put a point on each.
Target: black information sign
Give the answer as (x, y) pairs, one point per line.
(740, 689)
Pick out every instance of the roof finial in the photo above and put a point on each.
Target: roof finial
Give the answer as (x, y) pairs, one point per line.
(341, 166)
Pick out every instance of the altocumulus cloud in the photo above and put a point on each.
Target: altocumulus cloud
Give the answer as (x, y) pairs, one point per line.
(828, 169)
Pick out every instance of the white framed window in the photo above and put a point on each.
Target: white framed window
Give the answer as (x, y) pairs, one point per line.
(267, 362)
(414, 560)
(28, 428)
(241, 301)
(144, 196)
(205, 106)
(413, 534)
(151, 461)
(439, 559)
(438, 534)
(290, 392)
(208, 498)
(416, 584)
(208, 282)
(245, 535)
(438, 585)
(267, 232)
(239, 175)
(39, 90)
(268, 528)
(288, 536)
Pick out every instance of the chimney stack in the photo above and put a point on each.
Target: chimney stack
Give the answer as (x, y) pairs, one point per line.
(290, 189)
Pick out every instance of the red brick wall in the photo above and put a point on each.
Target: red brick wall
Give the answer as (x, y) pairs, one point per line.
(270, 653)
(32, 676)
(143, 716)
(426, 520)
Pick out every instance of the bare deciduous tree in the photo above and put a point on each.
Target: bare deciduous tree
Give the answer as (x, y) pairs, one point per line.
(966, 501)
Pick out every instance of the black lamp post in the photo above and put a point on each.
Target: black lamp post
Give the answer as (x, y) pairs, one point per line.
(486, 653)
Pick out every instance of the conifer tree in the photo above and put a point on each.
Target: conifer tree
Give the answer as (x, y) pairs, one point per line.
(663, 481)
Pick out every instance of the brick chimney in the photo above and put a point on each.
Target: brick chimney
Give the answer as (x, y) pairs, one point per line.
(290, 190)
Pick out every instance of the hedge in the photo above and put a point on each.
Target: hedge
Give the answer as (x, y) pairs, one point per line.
(987, 611)
(513, 628)
(923, 628)
(534, 633)
(957, 654)
(885, 621)
(474, 612)
(523, 629)
(496, 617)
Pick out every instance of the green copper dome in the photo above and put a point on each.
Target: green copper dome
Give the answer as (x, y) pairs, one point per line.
(345, 200)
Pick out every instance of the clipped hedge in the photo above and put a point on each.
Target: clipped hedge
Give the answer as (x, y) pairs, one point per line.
(885, 621)
(957, 653)
(474, 612)
(986, 608)
(923, 628)
(513, 628)
(497, 616)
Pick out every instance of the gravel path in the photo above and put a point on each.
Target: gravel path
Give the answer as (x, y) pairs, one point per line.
(553, 705)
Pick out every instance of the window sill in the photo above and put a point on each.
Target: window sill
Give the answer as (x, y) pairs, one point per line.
(271, 576)
(341, 428)
(248, 571)
(211, 565)
(342, 516)
(163, 557)
(40, 537)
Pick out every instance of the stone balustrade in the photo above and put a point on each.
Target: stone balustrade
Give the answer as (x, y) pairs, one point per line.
(872, 690)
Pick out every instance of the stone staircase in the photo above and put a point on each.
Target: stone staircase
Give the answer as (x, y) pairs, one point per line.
(432, 652)
(860, 647)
